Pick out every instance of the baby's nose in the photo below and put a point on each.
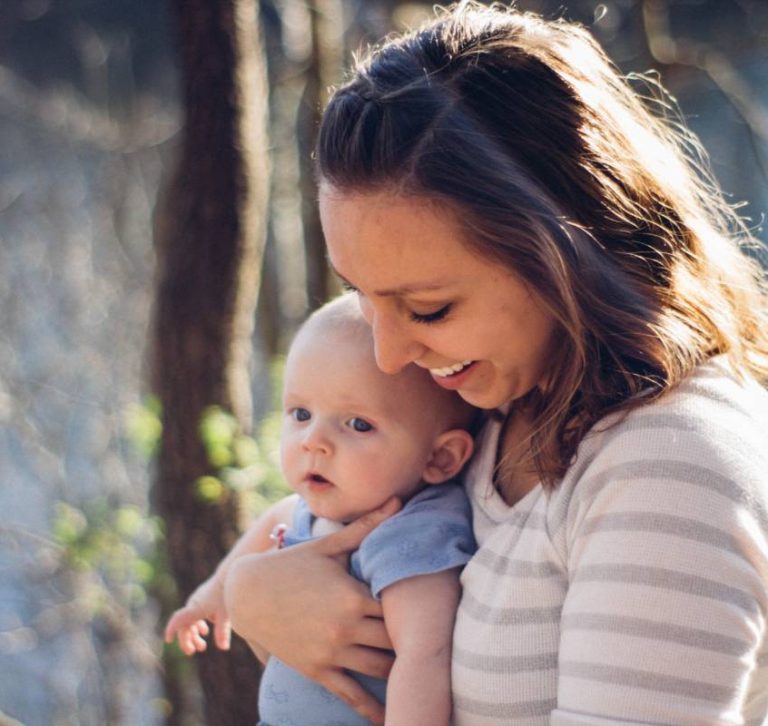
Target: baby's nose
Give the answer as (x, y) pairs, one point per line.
(316, 440)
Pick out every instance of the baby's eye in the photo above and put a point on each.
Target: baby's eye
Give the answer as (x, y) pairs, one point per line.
(300, 414)
(359, 424)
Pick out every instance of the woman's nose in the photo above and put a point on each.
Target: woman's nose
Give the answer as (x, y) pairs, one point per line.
(393, 347)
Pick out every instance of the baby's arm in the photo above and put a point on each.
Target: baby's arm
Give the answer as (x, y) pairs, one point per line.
(206, 603)
(419, 613)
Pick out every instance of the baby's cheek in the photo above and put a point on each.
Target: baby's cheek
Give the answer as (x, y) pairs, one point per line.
(287, 451)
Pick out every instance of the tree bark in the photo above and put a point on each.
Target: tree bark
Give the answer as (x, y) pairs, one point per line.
(323, 70)
(210, 238)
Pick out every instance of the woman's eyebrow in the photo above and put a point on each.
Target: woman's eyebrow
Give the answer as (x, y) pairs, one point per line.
(400, 289)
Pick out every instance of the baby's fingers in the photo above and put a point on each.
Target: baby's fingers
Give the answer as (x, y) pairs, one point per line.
(176, 623)
(186, 641)
(199, 630)
(222, 632)
(191, 638)
(182, 619)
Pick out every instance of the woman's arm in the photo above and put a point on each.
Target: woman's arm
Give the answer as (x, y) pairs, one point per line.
(302, 605)
(419, 613)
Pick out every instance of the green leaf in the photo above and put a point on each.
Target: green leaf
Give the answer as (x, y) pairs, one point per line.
(219, 456)
(217, 428)
(143, 426)
(209, 489)
(128, 521)
(69, 524)
(246, 451)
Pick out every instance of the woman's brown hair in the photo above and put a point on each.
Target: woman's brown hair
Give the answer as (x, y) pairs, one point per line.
(560, 172)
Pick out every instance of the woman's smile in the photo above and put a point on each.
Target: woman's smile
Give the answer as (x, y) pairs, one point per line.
(454, 377)
(450, 370)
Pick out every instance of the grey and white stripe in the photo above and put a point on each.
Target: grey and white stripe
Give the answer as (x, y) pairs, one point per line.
(635, 592)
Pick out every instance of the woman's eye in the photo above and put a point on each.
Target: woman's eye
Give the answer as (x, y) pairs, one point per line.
(360, 425)
(301, 414)
(431, 317)
(348, 286)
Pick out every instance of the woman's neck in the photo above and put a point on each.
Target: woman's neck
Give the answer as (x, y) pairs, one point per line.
(515, 474)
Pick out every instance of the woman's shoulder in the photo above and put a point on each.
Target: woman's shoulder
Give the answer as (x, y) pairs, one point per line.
(711, 413)
(702, 445)
(715, 387)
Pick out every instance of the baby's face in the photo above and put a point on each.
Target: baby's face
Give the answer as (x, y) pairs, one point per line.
(352, 436)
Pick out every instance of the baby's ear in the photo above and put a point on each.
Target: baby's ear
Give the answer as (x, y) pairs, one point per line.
(450, 452)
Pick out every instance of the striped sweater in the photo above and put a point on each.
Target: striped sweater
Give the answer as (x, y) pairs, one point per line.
(637, 591)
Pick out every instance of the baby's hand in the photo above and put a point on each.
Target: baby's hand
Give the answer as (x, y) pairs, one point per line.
(189, 624)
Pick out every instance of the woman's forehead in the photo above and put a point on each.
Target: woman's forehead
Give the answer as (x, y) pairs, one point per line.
(401, 247)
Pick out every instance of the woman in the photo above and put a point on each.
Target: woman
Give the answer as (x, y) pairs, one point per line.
(515, 220)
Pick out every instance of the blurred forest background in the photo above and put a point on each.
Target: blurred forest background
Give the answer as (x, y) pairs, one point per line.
(154, 158)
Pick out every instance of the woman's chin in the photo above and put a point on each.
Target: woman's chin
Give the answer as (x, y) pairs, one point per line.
(489, 397)
(482, 400)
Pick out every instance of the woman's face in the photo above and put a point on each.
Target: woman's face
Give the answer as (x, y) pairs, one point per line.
(434, 302)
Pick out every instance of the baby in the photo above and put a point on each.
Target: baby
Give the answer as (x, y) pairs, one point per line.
(353, 437)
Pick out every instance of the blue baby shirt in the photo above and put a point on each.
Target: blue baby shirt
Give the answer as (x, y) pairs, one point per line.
(431, 533)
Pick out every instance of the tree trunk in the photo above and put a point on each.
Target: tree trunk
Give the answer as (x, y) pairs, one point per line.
(210, 240)
(324, 69)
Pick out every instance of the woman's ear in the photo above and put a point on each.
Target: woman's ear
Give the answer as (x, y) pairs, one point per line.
(449, 453)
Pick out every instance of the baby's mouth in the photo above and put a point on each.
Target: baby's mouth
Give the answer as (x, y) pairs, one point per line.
(318, 480)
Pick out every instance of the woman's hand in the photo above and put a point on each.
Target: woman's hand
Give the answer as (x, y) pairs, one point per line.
(302, 605)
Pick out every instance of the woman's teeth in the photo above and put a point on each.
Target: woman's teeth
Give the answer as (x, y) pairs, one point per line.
(449, 370)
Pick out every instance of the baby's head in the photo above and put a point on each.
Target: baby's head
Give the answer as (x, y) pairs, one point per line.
(353, 436)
